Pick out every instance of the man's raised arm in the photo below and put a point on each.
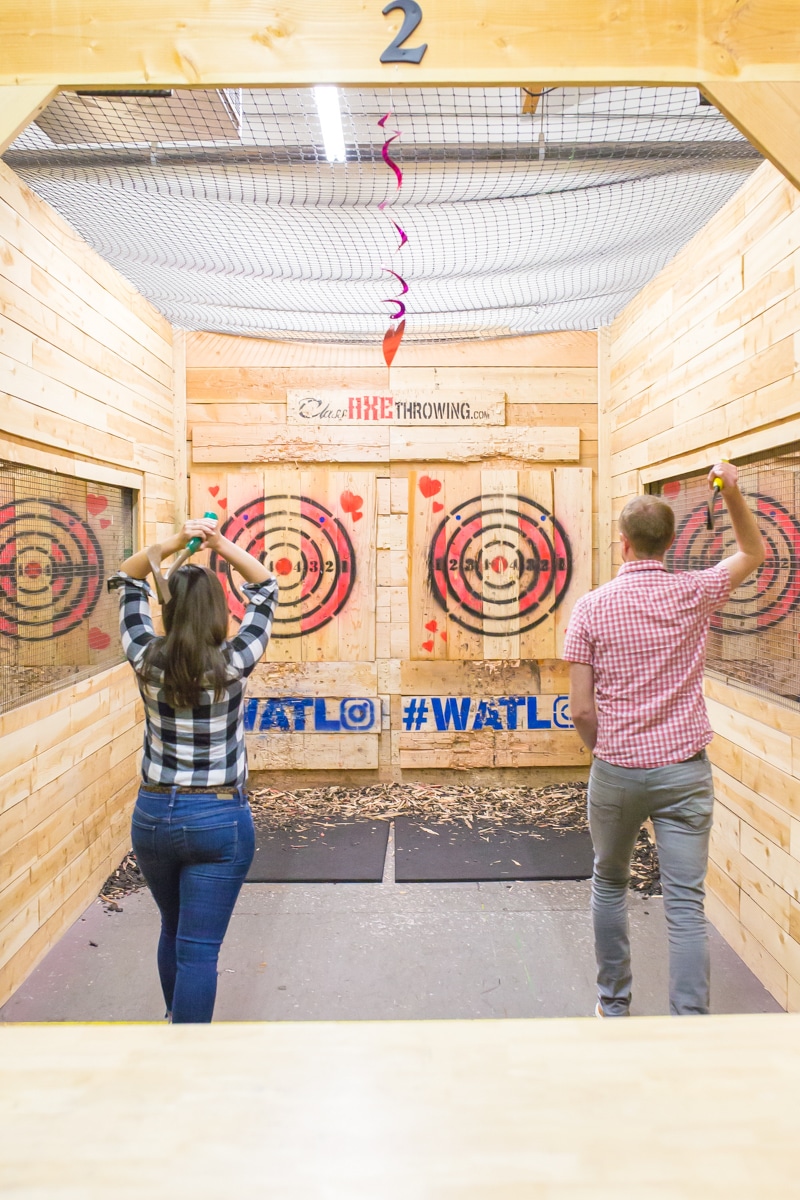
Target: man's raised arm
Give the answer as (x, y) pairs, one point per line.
(750, 545)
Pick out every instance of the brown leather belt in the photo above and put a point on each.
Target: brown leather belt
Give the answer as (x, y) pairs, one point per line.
(221, 792)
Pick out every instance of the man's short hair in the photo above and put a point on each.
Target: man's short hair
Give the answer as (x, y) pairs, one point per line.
(649, 525)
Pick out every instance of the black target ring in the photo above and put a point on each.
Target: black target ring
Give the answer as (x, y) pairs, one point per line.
(309, 551)
(777, 582)
(51, 569)
(483, 550)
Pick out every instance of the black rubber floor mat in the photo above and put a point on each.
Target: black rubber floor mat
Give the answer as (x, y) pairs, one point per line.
(349, 853)
(427, 853)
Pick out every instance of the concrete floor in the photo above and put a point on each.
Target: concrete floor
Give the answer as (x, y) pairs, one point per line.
(375, 951)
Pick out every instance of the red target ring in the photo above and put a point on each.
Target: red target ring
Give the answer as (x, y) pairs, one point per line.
(497, 558)
(775, 591)
(309, 551)
(51, 570)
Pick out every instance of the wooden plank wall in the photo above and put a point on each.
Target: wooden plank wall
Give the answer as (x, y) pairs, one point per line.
(242, 446)
(86, 389)
(704, 362)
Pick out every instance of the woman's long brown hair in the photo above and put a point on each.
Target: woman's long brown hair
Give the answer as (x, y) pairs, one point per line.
(195, 625)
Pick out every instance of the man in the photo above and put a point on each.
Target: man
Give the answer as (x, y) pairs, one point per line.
(637, 649)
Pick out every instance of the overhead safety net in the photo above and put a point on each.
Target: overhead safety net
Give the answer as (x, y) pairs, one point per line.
(525, 209)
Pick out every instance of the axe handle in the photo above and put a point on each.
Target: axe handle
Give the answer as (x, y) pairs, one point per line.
(180, 559)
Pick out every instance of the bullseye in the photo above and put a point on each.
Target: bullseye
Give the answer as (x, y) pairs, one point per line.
(309, 550)
(499, 562)
(51, 569)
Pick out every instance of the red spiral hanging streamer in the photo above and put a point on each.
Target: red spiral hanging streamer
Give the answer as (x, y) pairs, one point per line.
(399, 278)
(391, 340)
(385, 149)
(394, 334)
(403, 235)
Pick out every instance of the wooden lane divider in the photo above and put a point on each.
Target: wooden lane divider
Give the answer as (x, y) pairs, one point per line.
(438, 1109)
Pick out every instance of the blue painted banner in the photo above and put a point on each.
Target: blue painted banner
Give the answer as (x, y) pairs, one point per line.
(432, 714)
(304, 714)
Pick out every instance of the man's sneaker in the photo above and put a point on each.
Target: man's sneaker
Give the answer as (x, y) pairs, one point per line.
(598, 1012)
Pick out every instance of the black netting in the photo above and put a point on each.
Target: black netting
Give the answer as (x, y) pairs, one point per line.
(222, 208)
(756, 639)
(59, 538)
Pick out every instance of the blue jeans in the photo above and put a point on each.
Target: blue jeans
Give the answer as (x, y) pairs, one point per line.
(679, 799)
(194, 850)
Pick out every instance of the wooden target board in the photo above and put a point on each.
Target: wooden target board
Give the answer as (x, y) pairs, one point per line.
(774, 590)
(51, 565)
(498, 558)
(754, 637)
(314, 529)
(59, 538)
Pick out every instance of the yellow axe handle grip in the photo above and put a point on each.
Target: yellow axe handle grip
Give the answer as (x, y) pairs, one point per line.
(717, 481)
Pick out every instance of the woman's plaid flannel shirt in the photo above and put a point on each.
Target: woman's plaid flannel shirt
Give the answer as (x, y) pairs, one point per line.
(203, 746)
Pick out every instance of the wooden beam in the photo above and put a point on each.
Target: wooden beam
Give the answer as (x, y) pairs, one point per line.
(19, 106)
(220, 443)
(768, 114)
(531, 95)
(169, 43)
(179, 425)
(605, 514)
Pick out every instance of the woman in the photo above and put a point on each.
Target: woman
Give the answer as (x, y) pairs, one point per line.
(192, 827)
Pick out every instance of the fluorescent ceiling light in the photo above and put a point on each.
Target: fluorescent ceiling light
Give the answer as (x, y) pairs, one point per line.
(330, 117)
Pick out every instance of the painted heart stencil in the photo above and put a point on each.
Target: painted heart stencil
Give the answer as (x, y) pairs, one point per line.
(351, 503)
(429, 487)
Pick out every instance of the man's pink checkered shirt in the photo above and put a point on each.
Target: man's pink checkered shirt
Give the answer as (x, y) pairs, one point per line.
(644, 634)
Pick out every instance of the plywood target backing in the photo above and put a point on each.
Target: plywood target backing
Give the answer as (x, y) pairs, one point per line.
(314, 529)
(59, 538)
(497, 559)
(307, 548)
(774, 592)
(51, 569)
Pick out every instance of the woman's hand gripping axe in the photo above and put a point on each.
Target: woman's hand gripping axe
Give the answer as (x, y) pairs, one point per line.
(160, 579)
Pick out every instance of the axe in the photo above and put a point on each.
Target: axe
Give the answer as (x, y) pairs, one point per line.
(712, 499)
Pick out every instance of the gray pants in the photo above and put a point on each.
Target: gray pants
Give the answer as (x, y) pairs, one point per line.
(679, 799)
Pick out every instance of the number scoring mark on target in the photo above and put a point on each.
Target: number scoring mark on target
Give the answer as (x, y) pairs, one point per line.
(775, 590)
(308, 549)
(51, 569)
(499, 558)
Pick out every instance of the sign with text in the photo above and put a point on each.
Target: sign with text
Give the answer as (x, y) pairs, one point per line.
(303, 714)
(365, 406)
(460, 714)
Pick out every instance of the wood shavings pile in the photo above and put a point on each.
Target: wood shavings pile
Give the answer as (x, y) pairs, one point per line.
(557, 806)
(21, 684)
(126, 879)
